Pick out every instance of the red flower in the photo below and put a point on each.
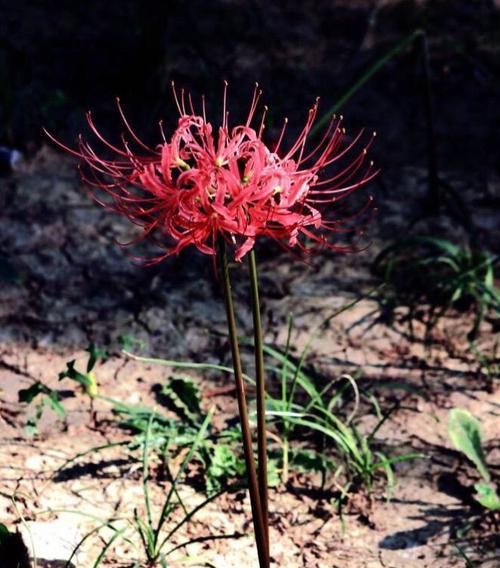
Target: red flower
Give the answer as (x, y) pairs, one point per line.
(200, 184)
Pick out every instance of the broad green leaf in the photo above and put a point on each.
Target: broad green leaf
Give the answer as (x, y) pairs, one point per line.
(29, 394)
(87, 380)
(224, 464)
(52, 400)
(466, 435)
(95, 354)
(184, 394)
(487, 496)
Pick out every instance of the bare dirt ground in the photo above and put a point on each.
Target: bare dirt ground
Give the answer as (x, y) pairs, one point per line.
(75, 286)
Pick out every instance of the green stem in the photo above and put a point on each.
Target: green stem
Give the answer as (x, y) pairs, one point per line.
(261, 392)
(375, 68)
(284, 401)
(260, 533)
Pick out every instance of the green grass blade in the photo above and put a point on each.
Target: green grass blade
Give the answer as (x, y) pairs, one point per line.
(145, 471)
(82, 541)
(107, 546)
(185, 364)
(196, 442)
(374, 69)
(193, 512)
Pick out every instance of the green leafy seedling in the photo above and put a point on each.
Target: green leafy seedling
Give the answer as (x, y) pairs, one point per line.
(88, 379)
(466, 435)
(487, 496)
(465, 432)
(184, 395)
(429, 271)
(223, 464)
(47, 398)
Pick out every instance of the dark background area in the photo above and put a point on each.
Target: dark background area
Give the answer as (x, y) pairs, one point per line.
(60, 58)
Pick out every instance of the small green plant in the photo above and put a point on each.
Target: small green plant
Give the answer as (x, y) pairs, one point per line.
(466, 435)
(426, 271)
(45, 397)
(307, 422)
(220, 454)
(87, 379)
(341, 446)
(147, 532)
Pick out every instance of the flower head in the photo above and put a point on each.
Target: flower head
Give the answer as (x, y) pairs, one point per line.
(202, 182)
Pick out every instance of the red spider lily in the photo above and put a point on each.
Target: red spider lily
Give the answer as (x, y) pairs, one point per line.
(199, 184)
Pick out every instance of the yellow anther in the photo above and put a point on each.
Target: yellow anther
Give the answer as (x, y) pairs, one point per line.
(246, 178)
(182, 164)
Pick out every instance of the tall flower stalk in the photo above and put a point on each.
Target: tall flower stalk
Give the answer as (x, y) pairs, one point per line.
(219, 189)
(261, 391)
(255, 486)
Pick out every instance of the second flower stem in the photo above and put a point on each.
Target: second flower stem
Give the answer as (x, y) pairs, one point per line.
(260, 532)
(261, 392)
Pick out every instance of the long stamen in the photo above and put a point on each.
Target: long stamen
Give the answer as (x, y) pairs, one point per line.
(253, 106)
(191, 106)
(162, 132)
(224, 106)
(203, 108)
(183, 102)
(262, 122)
(280, 139)
(326, 136)
(176, 99)
(128, 127)
(101, 138)
(300, 142)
